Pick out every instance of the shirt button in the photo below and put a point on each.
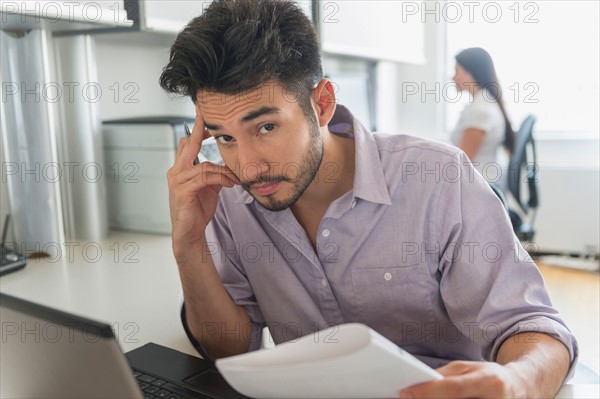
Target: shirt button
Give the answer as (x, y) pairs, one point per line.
(324, 283)
(325, 233)
(353, 204)
(387, 276)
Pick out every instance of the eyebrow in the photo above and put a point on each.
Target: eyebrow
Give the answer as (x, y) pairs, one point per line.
(249, 117)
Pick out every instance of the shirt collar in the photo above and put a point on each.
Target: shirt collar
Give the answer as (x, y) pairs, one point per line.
(244, 196)
(369, 179)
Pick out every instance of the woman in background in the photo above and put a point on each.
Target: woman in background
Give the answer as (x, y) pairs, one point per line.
(483, 125)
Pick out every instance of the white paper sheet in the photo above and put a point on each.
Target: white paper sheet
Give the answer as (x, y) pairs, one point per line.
(345, 361)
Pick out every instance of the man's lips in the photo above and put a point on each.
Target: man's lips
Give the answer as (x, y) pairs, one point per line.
(265, 188)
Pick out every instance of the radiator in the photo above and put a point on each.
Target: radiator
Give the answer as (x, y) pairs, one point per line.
(568, 218)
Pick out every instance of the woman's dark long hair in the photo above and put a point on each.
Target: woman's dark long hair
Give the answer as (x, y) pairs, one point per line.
(479, 63)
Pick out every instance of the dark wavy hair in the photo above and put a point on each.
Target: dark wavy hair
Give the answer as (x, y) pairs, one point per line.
(479, 64)
(237, 45)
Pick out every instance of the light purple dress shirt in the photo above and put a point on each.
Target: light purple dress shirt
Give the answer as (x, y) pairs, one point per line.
(421, 250)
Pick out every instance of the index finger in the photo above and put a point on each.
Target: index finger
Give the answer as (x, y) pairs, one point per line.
(188, 153)
(199, 132)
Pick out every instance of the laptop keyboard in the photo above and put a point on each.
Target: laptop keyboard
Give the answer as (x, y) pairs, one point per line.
(155, 388)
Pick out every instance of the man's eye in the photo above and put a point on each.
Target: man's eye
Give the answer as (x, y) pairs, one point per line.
(266, 128)
(223, 139)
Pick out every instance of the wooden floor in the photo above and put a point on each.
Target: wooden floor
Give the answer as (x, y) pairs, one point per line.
(576, 295)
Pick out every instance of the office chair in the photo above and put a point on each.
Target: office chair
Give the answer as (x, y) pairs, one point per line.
(523, 168)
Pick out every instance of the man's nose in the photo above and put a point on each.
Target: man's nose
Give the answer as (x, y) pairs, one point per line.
(252, 163)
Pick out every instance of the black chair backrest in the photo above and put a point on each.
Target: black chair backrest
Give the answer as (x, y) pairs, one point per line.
(522, 162)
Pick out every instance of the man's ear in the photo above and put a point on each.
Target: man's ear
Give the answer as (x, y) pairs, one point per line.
(324, 100)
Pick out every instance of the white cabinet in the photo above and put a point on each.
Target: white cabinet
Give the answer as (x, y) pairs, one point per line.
(61, 16)
(372, 29)
(162, 16)
(169, 16)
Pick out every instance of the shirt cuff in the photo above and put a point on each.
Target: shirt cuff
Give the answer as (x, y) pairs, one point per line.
(544, 326)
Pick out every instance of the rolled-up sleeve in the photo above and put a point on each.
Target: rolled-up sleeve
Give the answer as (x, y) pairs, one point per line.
(490, 286)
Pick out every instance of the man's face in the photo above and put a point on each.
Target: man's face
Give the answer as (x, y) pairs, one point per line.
(266, 139)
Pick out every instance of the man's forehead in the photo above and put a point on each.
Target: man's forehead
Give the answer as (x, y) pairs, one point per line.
(265, 92)
(271, 98)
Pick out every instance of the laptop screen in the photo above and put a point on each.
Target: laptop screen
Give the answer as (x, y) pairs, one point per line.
(48, 353)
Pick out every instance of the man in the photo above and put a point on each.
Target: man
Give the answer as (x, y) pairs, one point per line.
(313, 221)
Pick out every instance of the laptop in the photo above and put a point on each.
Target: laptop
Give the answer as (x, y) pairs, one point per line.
(47, 353)
(10, 259)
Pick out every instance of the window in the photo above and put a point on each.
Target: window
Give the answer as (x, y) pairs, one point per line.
(546, 58)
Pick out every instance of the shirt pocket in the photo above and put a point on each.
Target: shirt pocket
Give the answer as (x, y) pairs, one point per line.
(392, 295)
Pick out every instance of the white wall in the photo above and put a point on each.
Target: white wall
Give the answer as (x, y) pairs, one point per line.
(419, 113)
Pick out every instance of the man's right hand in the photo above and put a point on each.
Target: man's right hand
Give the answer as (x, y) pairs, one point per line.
(194, 189)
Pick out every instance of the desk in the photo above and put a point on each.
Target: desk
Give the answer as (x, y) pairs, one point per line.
(130, 281)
